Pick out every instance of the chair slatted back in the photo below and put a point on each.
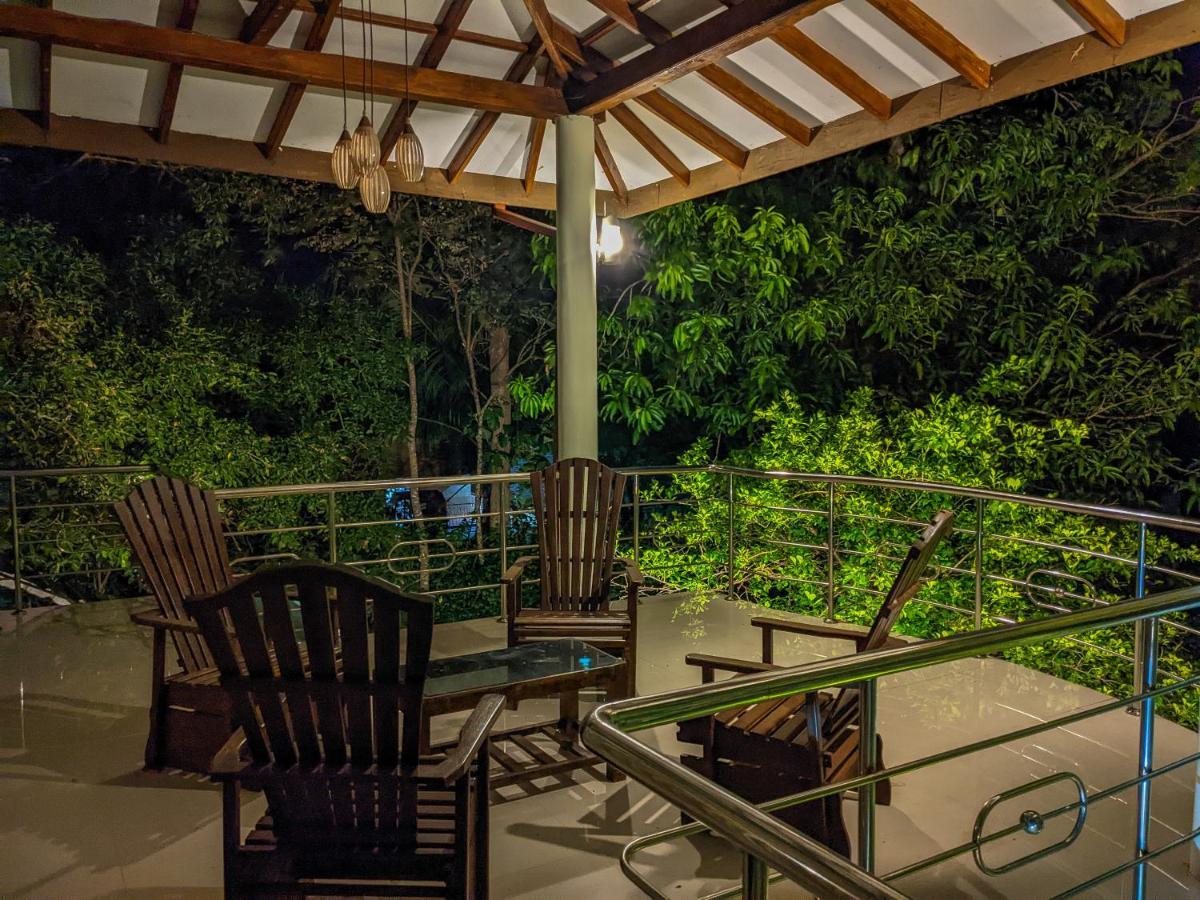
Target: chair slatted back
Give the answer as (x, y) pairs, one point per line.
(329, 701)
(577, 503)
(908, 581)
(175, 531)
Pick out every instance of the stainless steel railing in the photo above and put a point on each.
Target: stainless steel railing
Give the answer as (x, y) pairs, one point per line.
(766, 841)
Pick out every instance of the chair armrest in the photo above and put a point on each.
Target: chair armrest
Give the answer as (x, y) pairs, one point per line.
(154, 619)
(710, 664)
(632, 573)
(516, 570)
(813, 629)
(471, 738)
(227, 764)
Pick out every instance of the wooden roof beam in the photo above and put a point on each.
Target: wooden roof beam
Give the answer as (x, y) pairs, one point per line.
(652, 143)
(264, 20)
(937, 40)
(690, 50)
(608, 164)
(518, 220)
(543, 22)
(703, 133)
(430, 58)
(314, 40)
(830, 67)
(619, 10)
(166, 110)
(533, 152)
(382, 20)
(322, 69)
(1100, 14)
(482, 127)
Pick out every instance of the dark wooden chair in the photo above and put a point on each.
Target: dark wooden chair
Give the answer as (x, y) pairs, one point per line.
(577, 503)
(178, 542)
(329, 712)
(791, 744)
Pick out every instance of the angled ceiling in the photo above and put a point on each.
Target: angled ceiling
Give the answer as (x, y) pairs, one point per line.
(690, 96)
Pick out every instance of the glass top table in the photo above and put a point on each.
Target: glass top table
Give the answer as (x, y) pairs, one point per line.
(568, 660)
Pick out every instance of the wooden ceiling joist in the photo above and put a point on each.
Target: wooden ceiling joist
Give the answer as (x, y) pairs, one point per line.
(1100, 14)
(544, 23)
(314, 40)
(264, 20)
(652, 143)
(937, 40)
(322, 69)
(690, 50)
(752, 101)
(834, 70)
(166, 110)
(608, 164)
(619, 11)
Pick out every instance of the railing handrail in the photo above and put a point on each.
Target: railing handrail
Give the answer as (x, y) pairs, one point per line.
(813, 866)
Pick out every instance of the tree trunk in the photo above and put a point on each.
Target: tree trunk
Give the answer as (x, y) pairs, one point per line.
(499, 375)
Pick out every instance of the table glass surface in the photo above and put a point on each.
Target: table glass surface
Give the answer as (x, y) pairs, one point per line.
(511, 665)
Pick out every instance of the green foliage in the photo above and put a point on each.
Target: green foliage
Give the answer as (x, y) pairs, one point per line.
(1041, 258)
(781, 530)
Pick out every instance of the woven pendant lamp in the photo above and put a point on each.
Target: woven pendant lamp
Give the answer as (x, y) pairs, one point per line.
(375, 190)
(364, 147)
(410, 155)
(344, 174)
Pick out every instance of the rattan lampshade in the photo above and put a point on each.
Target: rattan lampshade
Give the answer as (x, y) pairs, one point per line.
(344, 174)
(364, 147)
(410, 155)
(375, 190)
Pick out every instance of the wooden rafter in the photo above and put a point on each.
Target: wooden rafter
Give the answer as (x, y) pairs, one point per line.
(314, 40)
(937, 40)
(482, 127)
(731, 85)
(1100, 14)
(430, 58)
(834, 70)
(382, 20)
(608, 164)
(533, 152)
(518, 220)
(544, 23)
(703, 133)
(619, 10)
(322, 69)
(644, 135)
(264, 20)
(690, 50)
(166, 110)
(45, 65)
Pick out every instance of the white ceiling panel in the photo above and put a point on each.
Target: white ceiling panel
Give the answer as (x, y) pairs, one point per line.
(229, 106)
(109, 88)
(19, 67)
(707, 102)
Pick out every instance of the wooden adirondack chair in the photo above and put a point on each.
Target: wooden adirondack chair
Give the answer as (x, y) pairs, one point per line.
(791, 744)
(333, 734)
(176, 535)
(577, 503)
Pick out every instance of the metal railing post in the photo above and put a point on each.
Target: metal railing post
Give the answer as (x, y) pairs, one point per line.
(1139, 630)
(1148, 645)
(978, 564)
(754, 878)
(731, 552)
(18, 590)
(829, 561)
(331, 524)
(505, 488)
(637, 519)
(867, 763)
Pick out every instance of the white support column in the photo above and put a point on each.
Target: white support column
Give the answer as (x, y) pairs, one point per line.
(578, 409)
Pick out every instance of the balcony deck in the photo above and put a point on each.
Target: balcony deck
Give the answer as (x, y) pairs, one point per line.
(82, 819)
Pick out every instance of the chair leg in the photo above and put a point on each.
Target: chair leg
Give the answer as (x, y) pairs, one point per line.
(482, 813)
(231, 836)
(153, 755)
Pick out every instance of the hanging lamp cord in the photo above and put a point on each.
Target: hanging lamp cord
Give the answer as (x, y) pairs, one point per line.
(345, 113)
(362, 16)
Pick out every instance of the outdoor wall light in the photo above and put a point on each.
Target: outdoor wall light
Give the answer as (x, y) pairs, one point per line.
(612, 241)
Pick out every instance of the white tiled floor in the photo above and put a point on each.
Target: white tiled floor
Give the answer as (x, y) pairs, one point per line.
(80, 818)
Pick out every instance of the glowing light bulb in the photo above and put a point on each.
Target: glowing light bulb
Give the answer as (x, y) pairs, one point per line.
(612, 241)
